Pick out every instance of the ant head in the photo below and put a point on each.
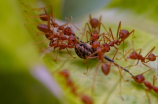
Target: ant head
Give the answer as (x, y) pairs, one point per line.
(94, 22)
(133, 55)
(95, 44)
(68, 31)
(72, 40)
(94, 37)
(105, 68)
(151, 57)
(123, 34)
(139, 78)
(44, 17)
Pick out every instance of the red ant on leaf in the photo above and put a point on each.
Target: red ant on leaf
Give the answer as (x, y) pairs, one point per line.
(120, 37)
(141, 79)
(84, 98)
(137, 56)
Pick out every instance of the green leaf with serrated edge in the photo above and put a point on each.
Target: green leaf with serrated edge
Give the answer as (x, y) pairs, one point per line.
(106, 87)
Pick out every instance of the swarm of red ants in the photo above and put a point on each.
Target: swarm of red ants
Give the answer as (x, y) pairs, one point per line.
(63, 37)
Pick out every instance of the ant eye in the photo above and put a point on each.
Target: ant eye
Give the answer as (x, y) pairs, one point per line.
(73, 40)
(91, 34)
(65, 33)
(98, 37)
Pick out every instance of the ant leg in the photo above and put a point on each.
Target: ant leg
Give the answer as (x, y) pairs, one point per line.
(111, 33)
(34, 16)
(87, 62)
(146, 91)
(124, 55)
(71, 22)
(86, 31)
(44, 40)
(57, 54)
(103, 34)
(44, 49)
(44, 8)
(95, 73)
(157, 67)
(35, 23)
(150, 52)
(115, 52)
(123, 51)
(121, 89)
(120, 72)
(69, 52)
(132, 38)
(118, 30)
(133, 65)
(40, 42)
(90, 17)
(99, 24)
(146, 66)
(35, 31)
(104, 28)
(130, 34)
(87, 66)
(87, 35)
(154, 79)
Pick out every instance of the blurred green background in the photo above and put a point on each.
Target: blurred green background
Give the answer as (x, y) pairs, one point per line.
(29, 77)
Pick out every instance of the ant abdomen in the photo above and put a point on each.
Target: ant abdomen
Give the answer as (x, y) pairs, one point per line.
(43, 27)
(105, 68)
(94, 22)
(151, 57)
(123, 34)
(44, 17)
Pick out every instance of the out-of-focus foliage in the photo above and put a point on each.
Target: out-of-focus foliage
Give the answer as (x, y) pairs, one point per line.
(19, 55)
(147, 8)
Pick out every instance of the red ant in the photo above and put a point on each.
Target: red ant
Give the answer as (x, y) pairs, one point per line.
(86, 99)
(137, 56)
(120, 37)
(94, 23)
(72, 41)
(65, 73)
(141, 79)
(95, 28)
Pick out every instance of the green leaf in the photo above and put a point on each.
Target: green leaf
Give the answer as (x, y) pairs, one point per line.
(19, 56)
